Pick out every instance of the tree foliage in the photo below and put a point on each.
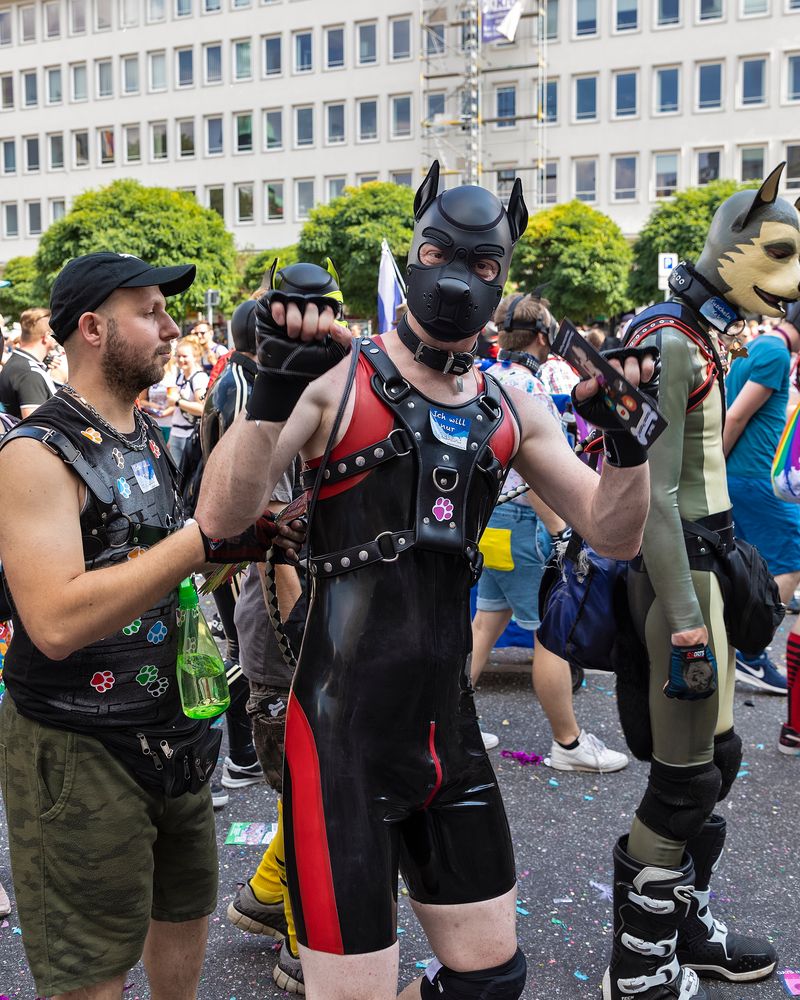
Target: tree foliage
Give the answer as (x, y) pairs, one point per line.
(255, 264)
(582, 258)
(678, 226)
(22, 294)
(161, 226)
(349, 230)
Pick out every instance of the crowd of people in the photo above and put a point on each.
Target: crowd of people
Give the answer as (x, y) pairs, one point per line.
(393, 465)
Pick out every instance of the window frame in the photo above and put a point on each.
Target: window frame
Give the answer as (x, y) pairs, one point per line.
(393, 21)
(332, 180)
(207, 150)
(360, 102)
(235, 119)
(307, 110)
(297, 182)
(742, 149)
(282, 216)
(327, 108)
(662, 153)
(51, 164)
(157, 54)
(266, 73)
(394, 135)
(281, 145)
(179, 126)
(708, 150)
(616, 29)
(616, 115)
(127, 131)
(657, 111)
(132, 58)
(179, 52)
(75, 135)
(741, 104)
(237, 45)
(99, 65)
(577, 162)
(155, 128)
(48, 71)
(359, 26)
(99, 130)
(239, 187)
(25, 76)
(576, 33)
(297, 69)
(578, 78)
(208, 47)
(709, 108)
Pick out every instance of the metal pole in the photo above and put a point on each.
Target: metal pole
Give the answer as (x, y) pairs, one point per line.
(473, 90)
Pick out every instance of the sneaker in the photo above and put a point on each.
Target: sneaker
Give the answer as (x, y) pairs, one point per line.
(789, 741)
(237, 776)
(249, 914)
(219, 797)
(5, 903)
(591, 754)
(760, 672)
(793, 607)
(490, 741)
(288, 973)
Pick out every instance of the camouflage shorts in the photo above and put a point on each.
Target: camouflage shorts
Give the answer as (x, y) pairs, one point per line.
(94, 856)
(266, 708)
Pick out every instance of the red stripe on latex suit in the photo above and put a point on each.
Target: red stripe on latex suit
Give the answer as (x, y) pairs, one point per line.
(437, 766)
(793, 675)
(320, 914)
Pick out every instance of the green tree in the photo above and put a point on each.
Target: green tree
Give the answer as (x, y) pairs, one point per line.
(22, 294)
(161, 226)
(255, 264)
(582, 258)
(349, 230)
(678, 226)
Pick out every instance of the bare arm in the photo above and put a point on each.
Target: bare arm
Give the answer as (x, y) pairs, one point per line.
(65, 608)
(552, 522)
(750, 399)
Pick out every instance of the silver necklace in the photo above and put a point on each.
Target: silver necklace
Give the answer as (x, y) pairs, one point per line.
(139, 444)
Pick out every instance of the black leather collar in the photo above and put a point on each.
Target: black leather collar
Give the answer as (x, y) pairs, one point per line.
(445, 362)
(521, 358)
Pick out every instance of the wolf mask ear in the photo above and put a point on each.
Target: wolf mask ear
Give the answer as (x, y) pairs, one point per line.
(517, 212)
(268, 281)
(765, 195)
(427, 191)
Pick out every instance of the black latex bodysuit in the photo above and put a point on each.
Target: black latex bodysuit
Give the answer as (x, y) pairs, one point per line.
(385, 765)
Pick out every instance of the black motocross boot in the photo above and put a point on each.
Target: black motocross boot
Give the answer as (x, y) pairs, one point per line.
(705, 944)
(649, 905)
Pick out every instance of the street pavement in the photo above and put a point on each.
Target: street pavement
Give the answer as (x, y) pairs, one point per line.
(563, 826)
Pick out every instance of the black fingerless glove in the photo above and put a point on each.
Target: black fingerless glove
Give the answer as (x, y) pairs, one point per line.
(285, 366)
(249, 546)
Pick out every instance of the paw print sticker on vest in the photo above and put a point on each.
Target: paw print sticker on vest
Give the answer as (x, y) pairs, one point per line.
(147, 674)
(157, 634)
(118, 457)
(155, 449)
(442, 509)
(122, 487)
(93, 435)
(133, 628)
(157, 688)
(136, 551)
(103, 681)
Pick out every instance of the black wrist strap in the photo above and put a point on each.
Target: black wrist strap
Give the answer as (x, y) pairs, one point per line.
(622, 450)
(274, 396)
(445, 362)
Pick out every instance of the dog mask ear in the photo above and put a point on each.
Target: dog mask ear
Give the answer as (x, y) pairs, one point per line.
(765, 195)
(517, 212)
(268, 281)
(427, 191)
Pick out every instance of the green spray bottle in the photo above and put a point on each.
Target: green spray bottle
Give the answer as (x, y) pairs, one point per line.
(202, 682)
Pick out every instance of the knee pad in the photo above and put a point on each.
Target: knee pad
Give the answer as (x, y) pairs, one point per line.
(728, 758)
(503, 982)
(679, 800)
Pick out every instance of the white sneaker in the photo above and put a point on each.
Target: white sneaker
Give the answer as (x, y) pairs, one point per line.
(490, 741)
(5, 903)
(591, 754)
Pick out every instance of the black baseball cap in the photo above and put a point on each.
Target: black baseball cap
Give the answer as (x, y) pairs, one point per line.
(86, 282)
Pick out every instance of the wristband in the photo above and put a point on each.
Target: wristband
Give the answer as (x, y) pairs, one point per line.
(274, 397)
(692, 673)
(622, 450)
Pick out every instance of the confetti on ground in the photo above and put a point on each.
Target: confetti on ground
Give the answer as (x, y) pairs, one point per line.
(742, 774)
(580, 975)
(522, 911)
(424, 963)
(251, 833)
(553, 783)
(604, 891)
(566, 899)
(521, 757)
(588, 798)
(789, 977)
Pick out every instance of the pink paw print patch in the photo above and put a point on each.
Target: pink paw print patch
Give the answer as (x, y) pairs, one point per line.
(103, 681)
(442, 509)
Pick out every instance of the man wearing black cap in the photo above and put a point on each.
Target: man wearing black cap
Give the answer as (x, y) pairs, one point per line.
(104, 779)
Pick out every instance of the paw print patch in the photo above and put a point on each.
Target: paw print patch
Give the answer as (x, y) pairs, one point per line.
(157, 688)
(93, 435)
(147, 674)
(133, 628)
(442, 509)
(103, 681)
(122, 487)
(116, 454)
(136, 551)
(157, 634)
(155, 449)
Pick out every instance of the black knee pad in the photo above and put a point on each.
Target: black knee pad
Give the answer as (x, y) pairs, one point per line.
(728, 758)
(503, 982)
(679, 800)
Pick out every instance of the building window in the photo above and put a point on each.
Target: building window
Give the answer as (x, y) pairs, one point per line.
(754, 72)
(335, 187)
(624, 178)
(435, 107)
(367, 44)
(403, 178)
(667, 90)
(273, 129)
(793, 78)
(586, 180)
(244, 203)
(366, 178)
(9, 148)
(750, 8)
(130, 74)
(30, 89)
(304, 198)
(709, 86)
(586, 98)
(434, 39)
(401, 116)
(505, 184)
(627, 15)
(10, 220)
(58, 209)
(55, 92)
(157, 70)
(550, 110)
(551, 25)
(27, 23)
(752, 163)
(367, 120)
(212, 6)
(625, 95)
(185, 67)
(400, 38)
(666, 168)
(129, 13)
(273, 201)
(668, 12)
(186, 146)
(334, 48)
(243, 131)
(792, 175)
(6, 91)
(102, 15)
(105, 145)
(215, 196)
(212, 63)
(105, 78)
(709, 10)
(158, 140)
(156, 10)
(34, 217)
(183, 8)
(55, 151)
(334, 124)
(708, 166)
(273, 56)
(242, 62)
(304, 126)
(32, 161)
(80, 148)
(303, 52)
(506, 106)
(77, 17)
(133, 144)
(214, 141)
(585, 18)
(5, 27)
(52, 20)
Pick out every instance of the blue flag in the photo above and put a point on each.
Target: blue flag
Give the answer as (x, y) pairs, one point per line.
(391, 293)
